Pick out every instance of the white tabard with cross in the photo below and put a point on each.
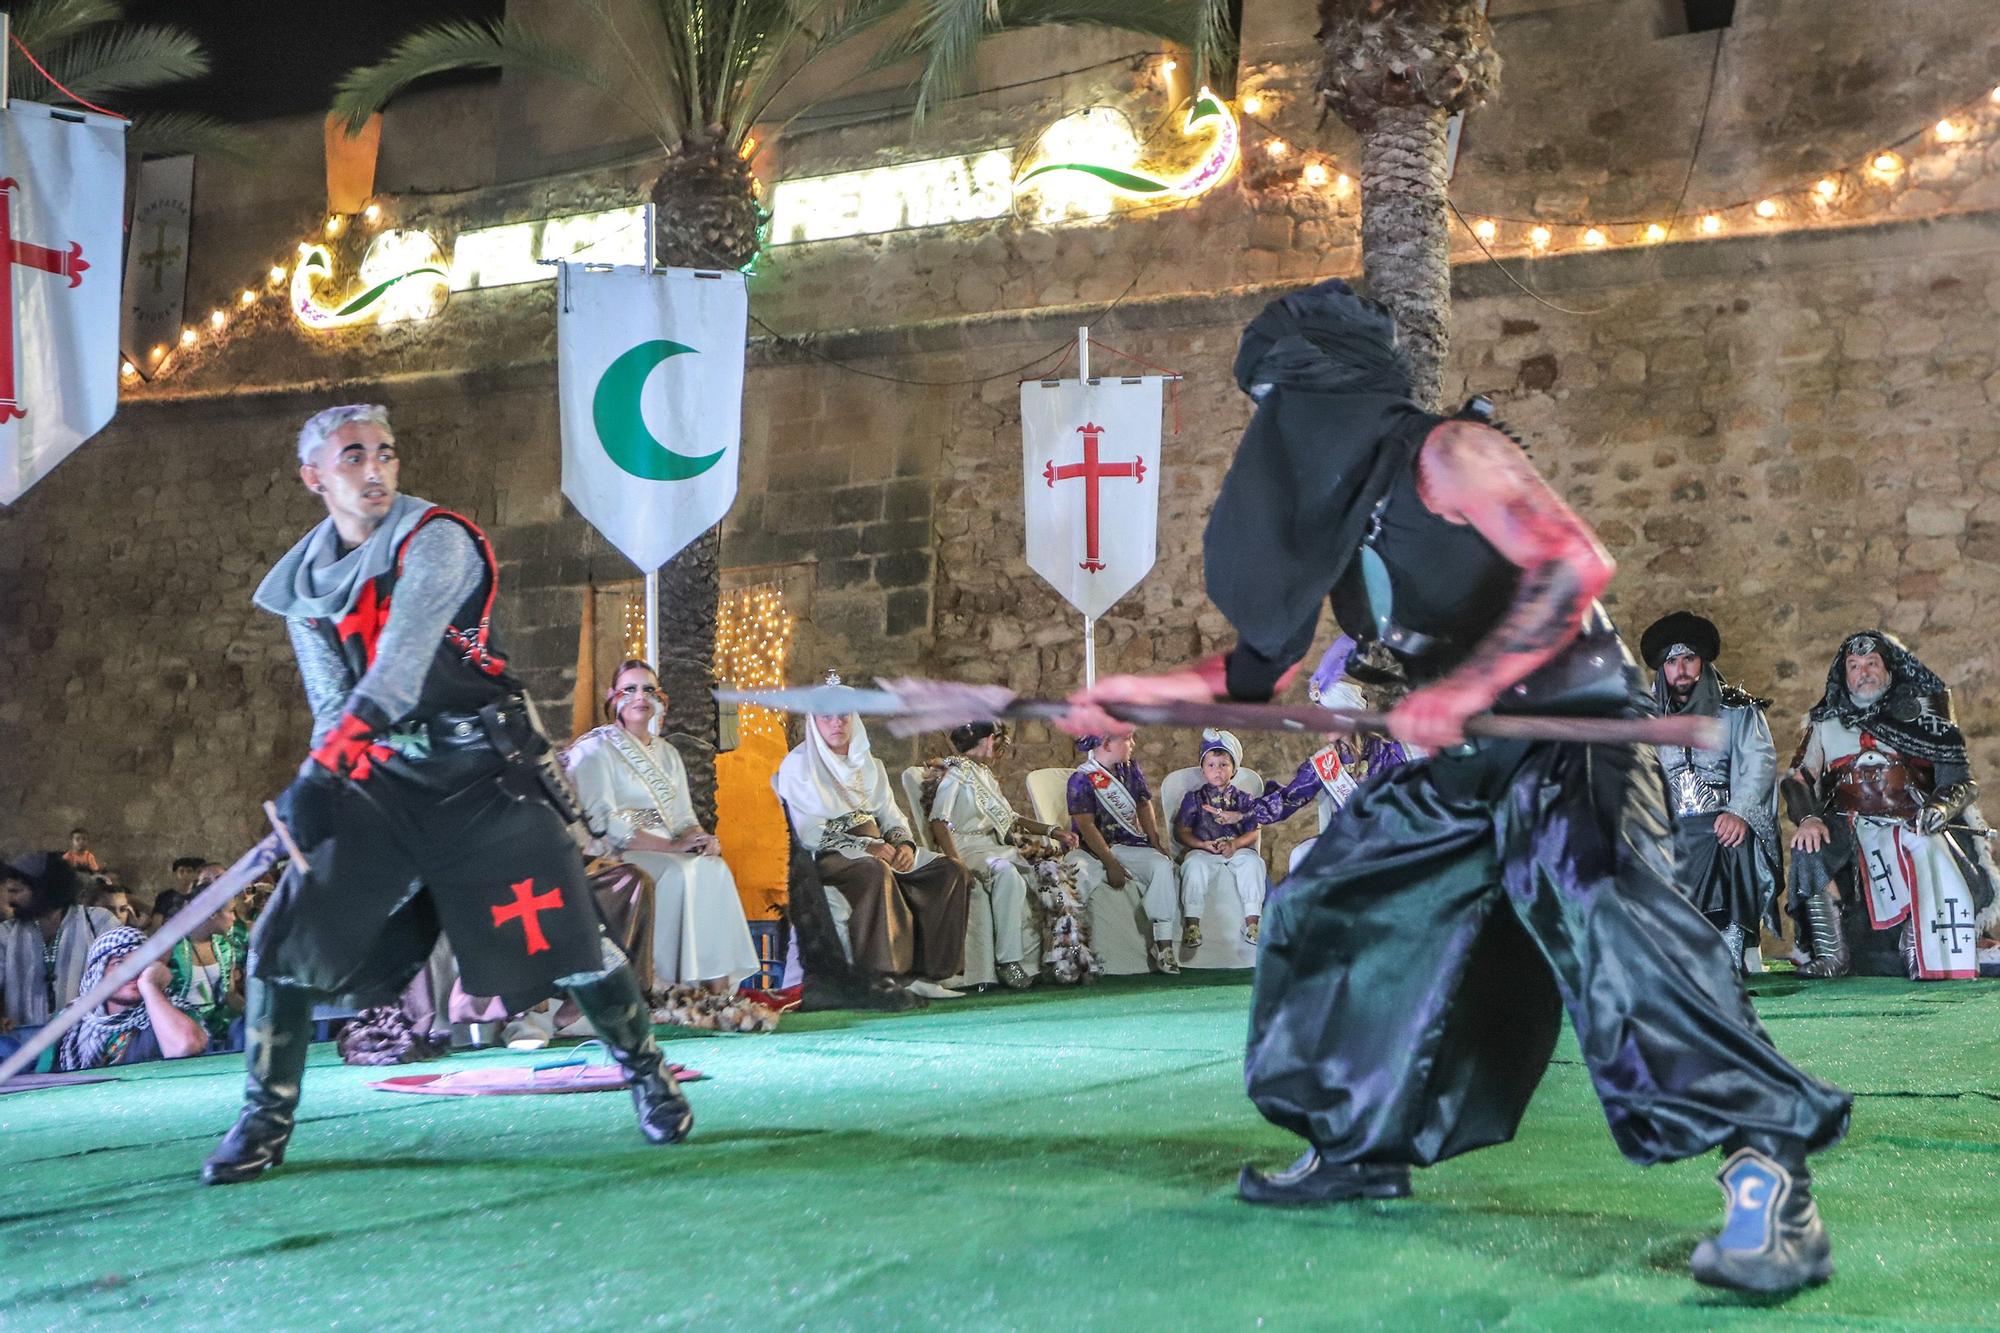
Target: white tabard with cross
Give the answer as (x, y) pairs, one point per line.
(1090, 459)
(1913, 876)
(62, 203)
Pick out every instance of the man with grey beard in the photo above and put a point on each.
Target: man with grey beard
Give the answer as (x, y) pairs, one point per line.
(1891, 873)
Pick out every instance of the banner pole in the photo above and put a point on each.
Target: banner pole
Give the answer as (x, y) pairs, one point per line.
(6, 55)
(651, 257)
(1083, 353)
(653, 618)
(1089, 651)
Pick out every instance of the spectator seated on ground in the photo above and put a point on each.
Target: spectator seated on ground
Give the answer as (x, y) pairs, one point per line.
(79, 856)
(207, 972)
(109, 897)
(43, 952)
(139, 1022)
(185, 868)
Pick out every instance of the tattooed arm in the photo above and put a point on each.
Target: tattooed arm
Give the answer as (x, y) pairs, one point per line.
(1469, 473)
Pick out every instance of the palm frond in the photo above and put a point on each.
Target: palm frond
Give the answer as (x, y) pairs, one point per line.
(42, 25)
(126, 57)
(819, 26)
(168, 132)
(504, 45)
(949, 32)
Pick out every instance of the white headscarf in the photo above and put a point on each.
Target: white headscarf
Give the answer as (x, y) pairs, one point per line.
(817, 785)
(1212, 739)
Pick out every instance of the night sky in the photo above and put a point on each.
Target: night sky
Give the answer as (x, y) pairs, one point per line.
(282, 57)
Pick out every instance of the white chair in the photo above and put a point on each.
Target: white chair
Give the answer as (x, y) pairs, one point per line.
(979, 967)
(1120, 935)
(1222, 943)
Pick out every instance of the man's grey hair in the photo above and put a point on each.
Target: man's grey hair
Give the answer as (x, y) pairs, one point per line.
(319, 428)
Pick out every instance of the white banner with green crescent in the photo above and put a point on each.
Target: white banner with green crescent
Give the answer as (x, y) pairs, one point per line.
(649, 369)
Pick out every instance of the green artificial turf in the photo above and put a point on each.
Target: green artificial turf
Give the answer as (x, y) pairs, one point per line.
(1054, 1160)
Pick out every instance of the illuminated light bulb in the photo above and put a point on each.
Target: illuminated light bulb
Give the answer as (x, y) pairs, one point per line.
(1827, 188)
(305, 248)
(159, 350)
(245, 297)
(335, 224)
(1655, 232)
(1316, 174)
(1341, 184)
(1886, 163)
(1485, 229)
(127, 370)
(1169, 65)
(1253, 105)
(1712, 223)
(1994, 96)
(1278, 148)
(277, 273)
(749, 148)
(187, 337)
(217, 319)
(1766, 208)
(1593, 237)
(1540, 237)
(1947, 130)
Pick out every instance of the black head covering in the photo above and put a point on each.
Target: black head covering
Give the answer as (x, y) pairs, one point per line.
(1697, 632)
(965, 737)
(51, 877)
(1334, 426)
(1914, 716)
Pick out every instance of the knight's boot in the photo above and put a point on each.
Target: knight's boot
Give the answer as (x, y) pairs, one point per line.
(618, 1012)
(1830, 953)
(1772, 1240)
(277, 1025)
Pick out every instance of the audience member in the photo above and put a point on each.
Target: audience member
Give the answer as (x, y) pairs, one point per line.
(110, 898)
(185, 868)
(972, 823)
(139, 1022)
(81, 859)
(908, 907)
(207, 973)
(1222, 854)
(1111, 809)
(47, 946)
(635, 786)
(165, 903)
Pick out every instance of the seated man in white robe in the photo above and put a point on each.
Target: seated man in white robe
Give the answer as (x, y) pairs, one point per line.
(634, 786)
(972, 822)
(1111, 808)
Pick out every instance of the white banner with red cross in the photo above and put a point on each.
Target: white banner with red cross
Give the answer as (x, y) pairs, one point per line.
(1090, 460)
(62, 207)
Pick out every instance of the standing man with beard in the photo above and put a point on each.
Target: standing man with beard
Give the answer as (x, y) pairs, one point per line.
(1891, 872)
(426, 805)
(1724, 802)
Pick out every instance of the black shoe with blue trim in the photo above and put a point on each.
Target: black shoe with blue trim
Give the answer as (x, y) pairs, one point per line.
(1772, 1240)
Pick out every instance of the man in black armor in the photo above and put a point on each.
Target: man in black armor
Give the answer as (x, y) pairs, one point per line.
(1416, 967)
(428, 803)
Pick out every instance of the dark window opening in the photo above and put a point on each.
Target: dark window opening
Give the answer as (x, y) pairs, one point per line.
(1678, 17)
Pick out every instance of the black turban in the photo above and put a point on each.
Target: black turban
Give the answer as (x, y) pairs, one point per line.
(1697, 632)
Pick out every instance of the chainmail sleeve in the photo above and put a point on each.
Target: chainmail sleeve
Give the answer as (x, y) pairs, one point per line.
(325, 675)
(441, 569)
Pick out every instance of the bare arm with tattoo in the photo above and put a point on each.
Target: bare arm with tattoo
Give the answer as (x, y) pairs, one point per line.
(1472, 474)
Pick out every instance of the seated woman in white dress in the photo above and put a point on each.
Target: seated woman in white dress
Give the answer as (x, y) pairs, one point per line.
(634, 785)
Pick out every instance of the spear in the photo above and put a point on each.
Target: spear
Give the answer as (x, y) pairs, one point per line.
(912, 705)
(276, 844)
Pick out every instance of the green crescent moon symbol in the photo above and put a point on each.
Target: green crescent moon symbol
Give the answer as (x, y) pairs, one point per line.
(614, 409)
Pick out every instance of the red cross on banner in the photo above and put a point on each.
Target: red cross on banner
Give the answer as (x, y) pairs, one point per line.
(527, 908)
(1090, 471)
(62, 198)
(1091, 452)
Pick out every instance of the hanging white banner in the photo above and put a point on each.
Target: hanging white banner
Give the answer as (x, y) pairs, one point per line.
(62, 213)
(1090, 471)
(650, 377)
(156, 256)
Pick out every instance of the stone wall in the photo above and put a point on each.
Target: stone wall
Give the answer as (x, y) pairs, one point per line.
(1790, 425)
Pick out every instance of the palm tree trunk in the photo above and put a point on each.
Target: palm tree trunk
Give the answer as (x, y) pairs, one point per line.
(1405, 236)
(690, 594)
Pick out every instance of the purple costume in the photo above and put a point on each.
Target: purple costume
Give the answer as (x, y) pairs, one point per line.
(1083, 801)
(1194, 813)
(1378, 755)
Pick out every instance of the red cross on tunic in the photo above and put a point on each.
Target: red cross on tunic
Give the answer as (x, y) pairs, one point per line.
(1092, 471)
(527, 908)
(67, 264)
